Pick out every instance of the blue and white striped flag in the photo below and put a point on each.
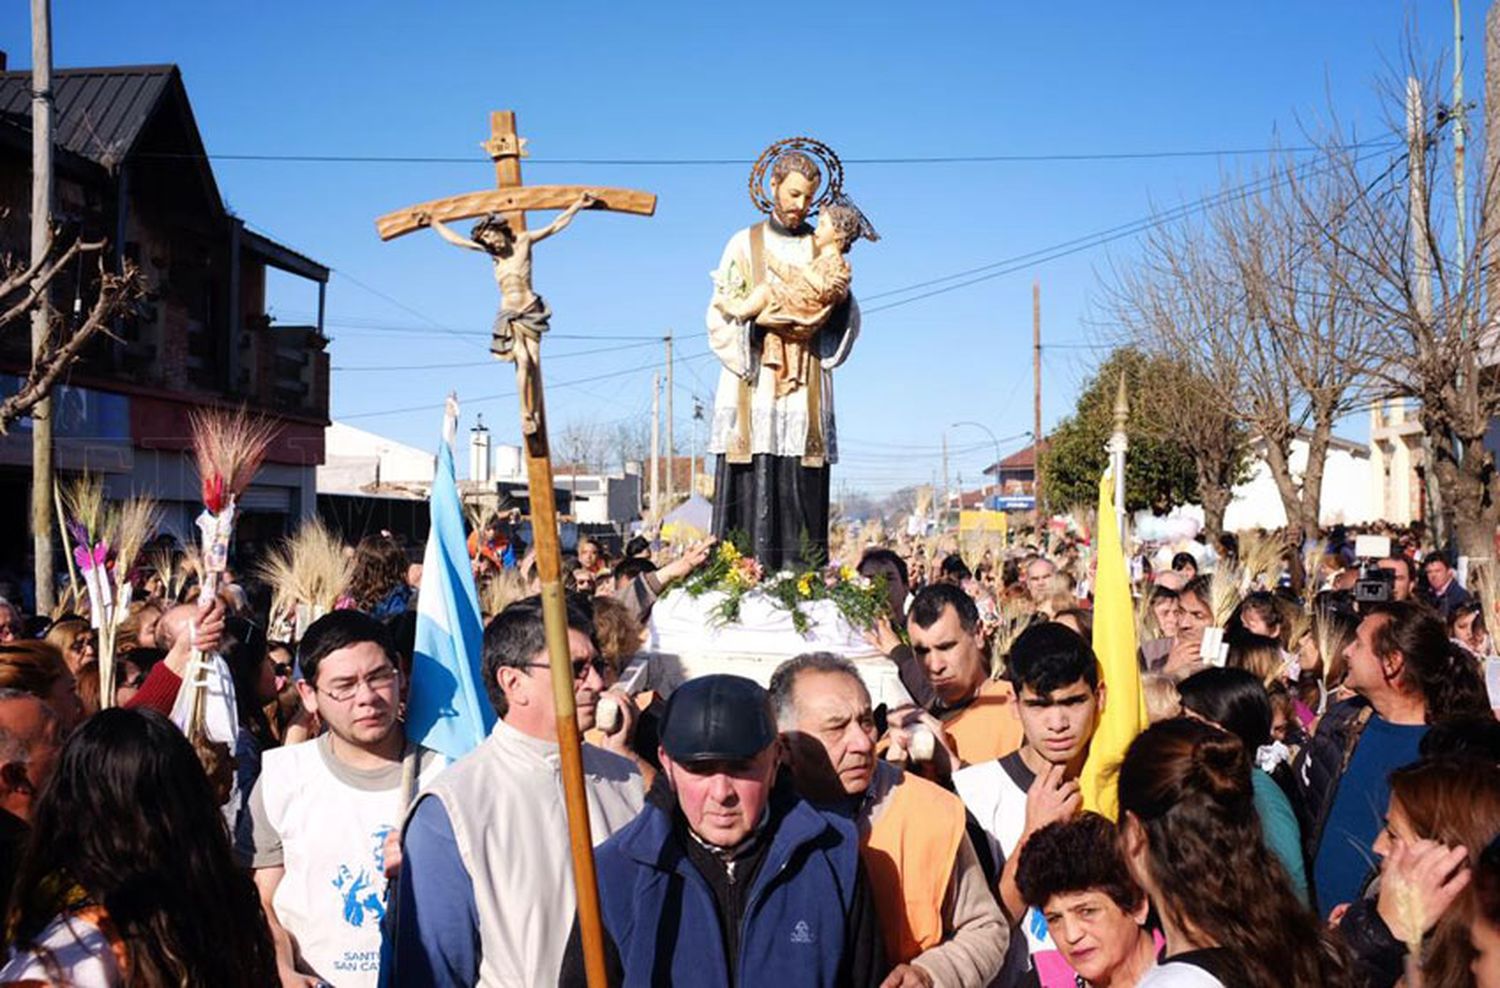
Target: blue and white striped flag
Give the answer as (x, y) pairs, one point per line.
(449, 710)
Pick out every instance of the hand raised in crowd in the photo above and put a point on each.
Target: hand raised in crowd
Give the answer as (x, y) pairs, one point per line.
(695, 556)
(619, 739)
(903, 725)
(882, 635)
(907, 976)
(1186, 651)
(1432, 874)
(1052, 798)
(206, 634)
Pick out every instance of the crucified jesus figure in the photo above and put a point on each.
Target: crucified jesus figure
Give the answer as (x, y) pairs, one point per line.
(523, 316)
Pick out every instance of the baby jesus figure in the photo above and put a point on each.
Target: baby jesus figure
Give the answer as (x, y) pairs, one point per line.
(797, 303)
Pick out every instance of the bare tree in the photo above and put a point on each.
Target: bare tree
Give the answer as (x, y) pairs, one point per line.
(1424, 296)
(1265, 319)
(25, 287)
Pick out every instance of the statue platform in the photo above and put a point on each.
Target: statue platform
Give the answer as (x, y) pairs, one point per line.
(685, 640)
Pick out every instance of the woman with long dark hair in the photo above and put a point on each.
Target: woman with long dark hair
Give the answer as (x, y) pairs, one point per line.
(1235, 700)
(1191, 835)
(128, 878)
(378, 583)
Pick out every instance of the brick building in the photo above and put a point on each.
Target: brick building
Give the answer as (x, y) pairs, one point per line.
(130, 167)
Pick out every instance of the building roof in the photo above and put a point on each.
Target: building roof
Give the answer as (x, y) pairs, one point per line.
(99, 113)
(1021, 459)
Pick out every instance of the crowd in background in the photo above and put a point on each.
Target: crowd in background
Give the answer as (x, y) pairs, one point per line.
(1315, 802)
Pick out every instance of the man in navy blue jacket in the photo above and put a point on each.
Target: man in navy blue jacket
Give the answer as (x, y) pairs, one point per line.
(728, 877)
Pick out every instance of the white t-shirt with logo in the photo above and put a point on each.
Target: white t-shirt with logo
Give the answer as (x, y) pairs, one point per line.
(995, 792)
(326, 824)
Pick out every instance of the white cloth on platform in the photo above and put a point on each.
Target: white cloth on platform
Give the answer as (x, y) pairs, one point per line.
(683, 640)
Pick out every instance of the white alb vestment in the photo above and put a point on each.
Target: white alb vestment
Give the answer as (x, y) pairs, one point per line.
(778, 426)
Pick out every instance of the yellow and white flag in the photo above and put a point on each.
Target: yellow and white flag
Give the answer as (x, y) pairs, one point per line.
(1124, 713)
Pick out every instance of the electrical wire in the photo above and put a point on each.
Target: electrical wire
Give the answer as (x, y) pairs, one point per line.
(511, 394)
(945, 159)
(1076, 245)
(471, 363)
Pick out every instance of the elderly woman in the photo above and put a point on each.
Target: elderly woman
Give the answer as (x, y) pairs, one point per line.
(74, 640)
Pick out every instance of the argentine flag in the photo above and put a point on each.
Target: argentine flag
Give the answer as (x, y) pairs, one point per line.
(449, 710)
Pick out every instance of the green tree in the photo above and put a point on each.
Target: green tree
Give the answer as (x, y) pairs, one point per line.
(1183, 446)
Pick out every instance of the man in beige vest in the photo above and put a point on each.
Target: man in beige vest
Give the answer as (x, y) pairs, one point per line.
(485, 895)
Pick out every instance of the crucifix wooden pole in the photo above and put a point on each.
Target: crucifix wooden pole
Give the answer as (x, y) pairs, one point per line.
(511, 200)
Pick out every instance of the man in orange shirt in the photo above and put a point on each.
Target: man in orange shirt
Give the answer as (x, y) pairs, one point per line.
(938, 920)
(972, 716)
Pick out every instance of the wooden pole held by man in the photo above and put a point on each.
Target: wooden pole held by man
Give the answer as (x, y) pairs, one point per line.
(518, 332)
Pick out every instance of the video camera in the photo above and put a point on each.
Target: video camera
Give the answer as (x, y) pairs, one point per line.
(1375, 584)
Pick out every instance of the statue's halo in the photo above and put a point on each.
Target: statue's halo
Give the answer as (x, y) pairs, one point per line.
(760, 175)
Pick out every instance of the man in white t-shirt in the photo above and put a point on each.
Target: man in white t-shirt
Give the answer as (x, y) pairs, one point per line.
(323, 812)
(1059, 699)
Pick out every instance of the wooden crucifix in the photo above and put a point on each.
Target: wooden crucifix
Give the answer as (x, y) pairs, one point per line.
(519, 327)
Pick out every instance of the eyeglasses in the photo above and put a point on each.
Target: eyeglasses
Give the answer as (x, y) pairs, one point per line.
(580, 666)
(380, 681)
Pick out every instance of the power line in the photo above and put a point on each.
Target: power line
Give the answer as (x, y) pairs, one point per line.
(511, 394)
(471, 363)
(946, 159)
(1076, 245)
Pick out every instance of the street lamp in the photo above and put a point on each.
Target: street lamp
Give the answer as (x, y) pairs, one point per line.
(991, 434)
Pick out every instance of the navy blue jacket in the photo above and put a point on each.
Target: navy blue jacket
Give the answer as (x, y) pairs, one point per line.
(808, 908)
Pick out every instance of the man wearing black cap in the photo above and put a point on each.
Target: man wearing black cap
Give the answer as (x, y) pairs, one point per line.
(727, 877)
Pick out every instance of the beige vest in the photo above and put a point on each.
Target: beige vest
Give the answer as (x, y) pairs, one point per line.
(505, 802)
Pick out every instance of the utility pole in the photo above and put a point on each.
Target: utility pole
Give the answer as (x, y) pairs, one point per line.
(671, 442)
(1488, 236)
(41, 236)
(1421, 252)
(943, 514)
(1460, 114)
(1036, 408)
(697, 417)
(656, 446)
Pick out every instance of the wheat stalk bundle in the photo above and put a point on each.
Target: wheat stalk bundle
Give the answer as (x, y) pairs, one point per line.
(1260, 562)
(1013, 616)
(133, 525)
(500, 590)
(229, 447)
(307, 573)
(1224, 591)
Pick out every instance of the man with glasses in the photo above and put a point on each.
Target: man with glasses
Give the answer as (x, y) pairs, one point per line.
(485, 894)
(322, 811)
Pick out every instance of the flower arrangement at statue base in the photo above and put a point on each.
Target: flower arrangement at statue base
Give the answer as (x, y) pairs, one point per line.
(735, 575)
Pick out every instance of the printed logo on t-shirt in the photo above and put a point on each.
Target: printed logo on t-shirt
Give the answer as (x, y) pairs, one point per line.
(801, 933)
(362, 887)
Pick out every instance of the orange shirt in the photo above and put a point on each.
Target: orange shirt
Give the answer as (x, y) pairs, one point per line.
(908, 857)
(989, 727)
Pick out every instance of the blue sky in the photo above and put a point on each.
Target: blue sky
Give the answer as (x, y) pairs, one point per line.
(720, 81)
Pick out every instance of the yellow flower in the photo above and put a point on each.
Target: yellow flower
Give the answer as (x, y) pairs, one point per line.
(728, 553)
(846, 573)
(804, 585)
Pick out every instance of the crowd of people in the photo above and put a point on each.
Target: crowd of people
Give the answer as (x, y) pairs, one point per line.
(1316, 800)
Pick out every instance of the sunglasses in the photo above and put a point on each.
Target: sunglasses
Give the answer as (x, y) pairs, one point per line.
(580, 666)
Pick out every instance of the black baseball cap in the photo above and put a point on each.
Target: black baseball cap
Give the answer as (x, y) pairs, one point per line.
(719, 717)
